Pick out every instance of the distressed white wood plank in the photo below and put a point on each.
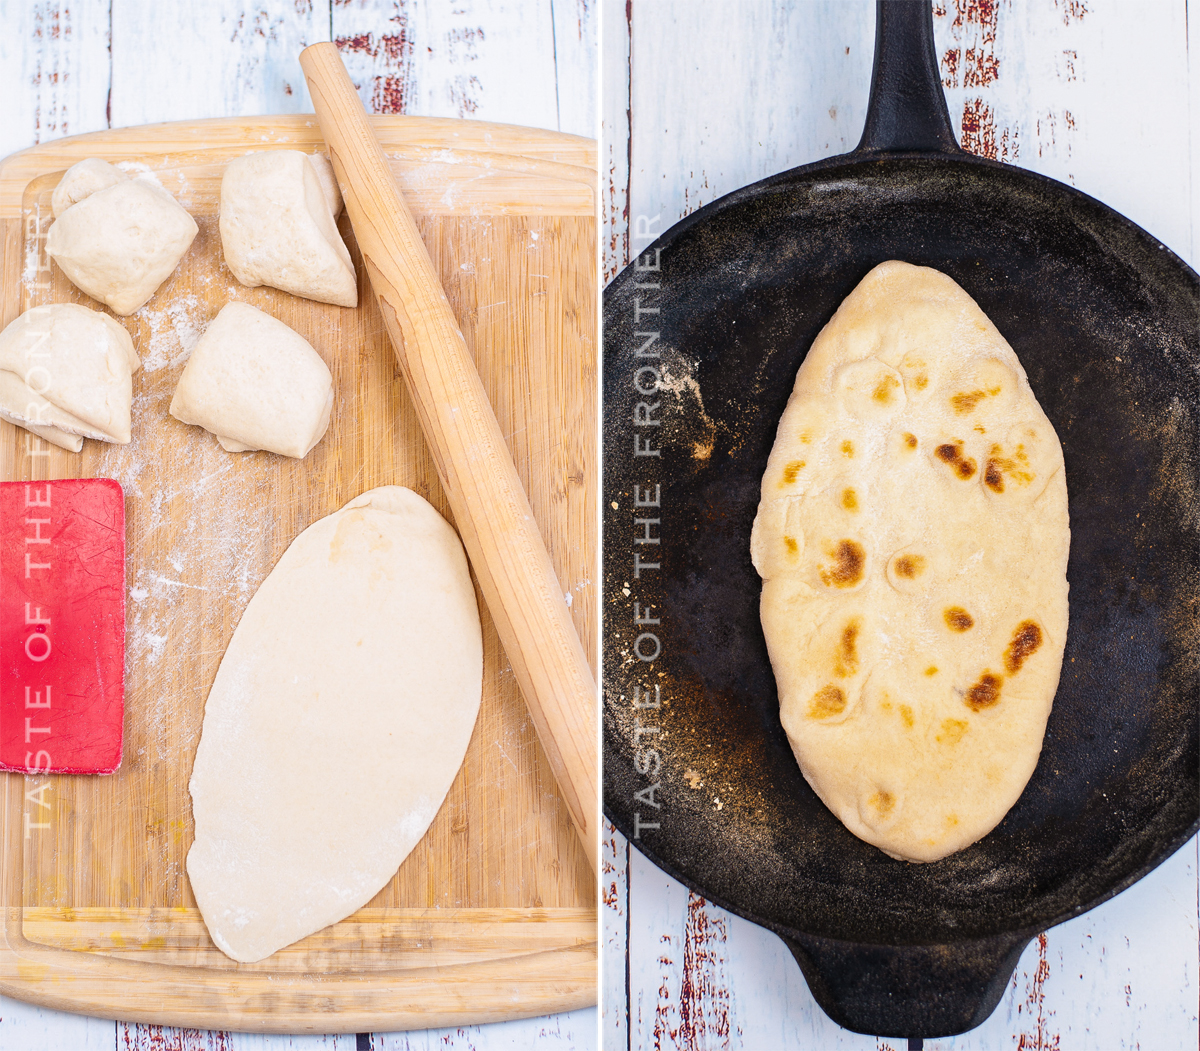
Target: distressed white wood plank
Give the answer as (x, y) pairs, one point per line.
(724, 94)
(26, 1027)
(1116, 97)
(1132, 962)
(615, 139)
(562, 1032)
(483, 59)
(1095, 95)
(1132, 965)
(168, 1038)
(54, 70)
(614, 898)
(220, 58)
(576, 66)
(704, 978)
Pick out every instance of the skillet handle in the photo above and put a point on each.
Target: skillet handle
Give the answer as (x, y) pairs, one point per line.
(907, 991)
(907, 111)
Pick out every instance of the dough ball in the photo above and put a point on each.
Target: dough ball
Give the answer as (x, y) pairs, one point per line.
(277, 228)
(336, 724)
(255, 384)
(66, 373)
(117, 239)
(82, 180)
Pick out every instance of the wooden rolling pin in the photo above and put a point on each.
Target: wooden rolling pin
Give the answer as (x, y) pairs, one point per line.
(490, 507)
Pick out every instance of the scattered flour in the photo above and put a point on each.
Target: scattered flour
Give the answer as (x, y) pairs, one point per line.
(174, 332)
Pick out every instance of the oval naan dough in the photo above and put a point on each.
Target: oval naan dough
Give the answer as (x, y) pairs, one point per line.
(337, 721)
(66, 373)
(912, 537)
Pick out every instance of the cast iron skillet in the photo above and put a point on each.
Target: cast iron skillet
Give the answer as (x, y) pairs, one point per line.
(1105, 320)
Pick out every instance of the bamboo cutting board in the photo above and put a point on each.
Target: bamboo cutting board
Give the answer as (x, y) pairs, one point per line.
(493, 915)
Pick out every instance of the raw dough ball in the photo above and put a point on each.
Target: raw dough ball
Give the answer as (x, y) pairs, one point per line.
(277, 228)
(117, 239)
(82, 180)
(912, 538)
(255, 384)
(66, 374)
(336, 724)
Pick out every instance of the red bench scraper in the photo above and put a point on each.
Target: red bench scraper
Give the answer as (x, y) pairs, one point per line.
(62, 626)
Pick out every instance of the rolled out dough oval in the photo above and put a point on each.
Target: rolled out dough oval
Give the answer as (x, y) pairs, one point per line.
(912, 537)
(337, 721)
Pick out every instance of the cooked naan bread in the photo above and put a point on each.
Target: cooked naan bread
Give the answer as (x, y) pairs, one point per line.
(912, 538)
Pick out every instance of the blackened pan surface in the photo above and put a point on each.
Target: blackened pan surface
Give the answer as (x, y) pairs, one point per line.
(1105, 321)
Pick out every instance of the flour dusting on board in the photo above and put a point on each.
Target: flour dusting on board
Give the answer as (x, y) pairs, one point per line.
(184, 597)
(174, 331)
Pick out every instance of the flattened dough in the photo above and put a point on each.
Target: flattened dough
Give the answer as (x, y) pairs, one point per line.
(66, 373)
(117, 239)
(255, 384)
(338, 719)
(912, 537)
(278, 229)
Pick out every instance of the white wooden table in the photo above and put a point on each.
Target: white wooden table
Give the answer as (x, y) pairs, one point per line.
(701, 97)
(73, 66)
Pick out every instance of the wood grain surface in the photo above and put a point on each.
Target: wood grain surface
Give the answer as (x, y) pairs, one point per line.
(77, 67)
(204, 528)
(705, 96)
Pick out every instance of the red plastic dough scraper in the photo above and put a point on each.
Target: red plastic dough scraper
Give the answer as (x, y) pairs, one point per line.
(62, 625)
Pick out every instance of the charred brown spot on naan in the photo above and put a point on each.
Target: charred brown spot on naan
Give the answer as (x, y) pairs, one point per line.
(791, 471)
(827, 701)
(885, 389)
(951, 454)
(878, 807)
(1015, 467)
(849, 499)
(869, 388)
(910, 440)
(964, 402)
(906, 571)
(1025, 642)
(849, 562)
(986, 386)
(931, 670)
(845, 662)
(952, 731)
(914, 368)
(848, 448)
(985, 692)
(958, 619)
(793, 549)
